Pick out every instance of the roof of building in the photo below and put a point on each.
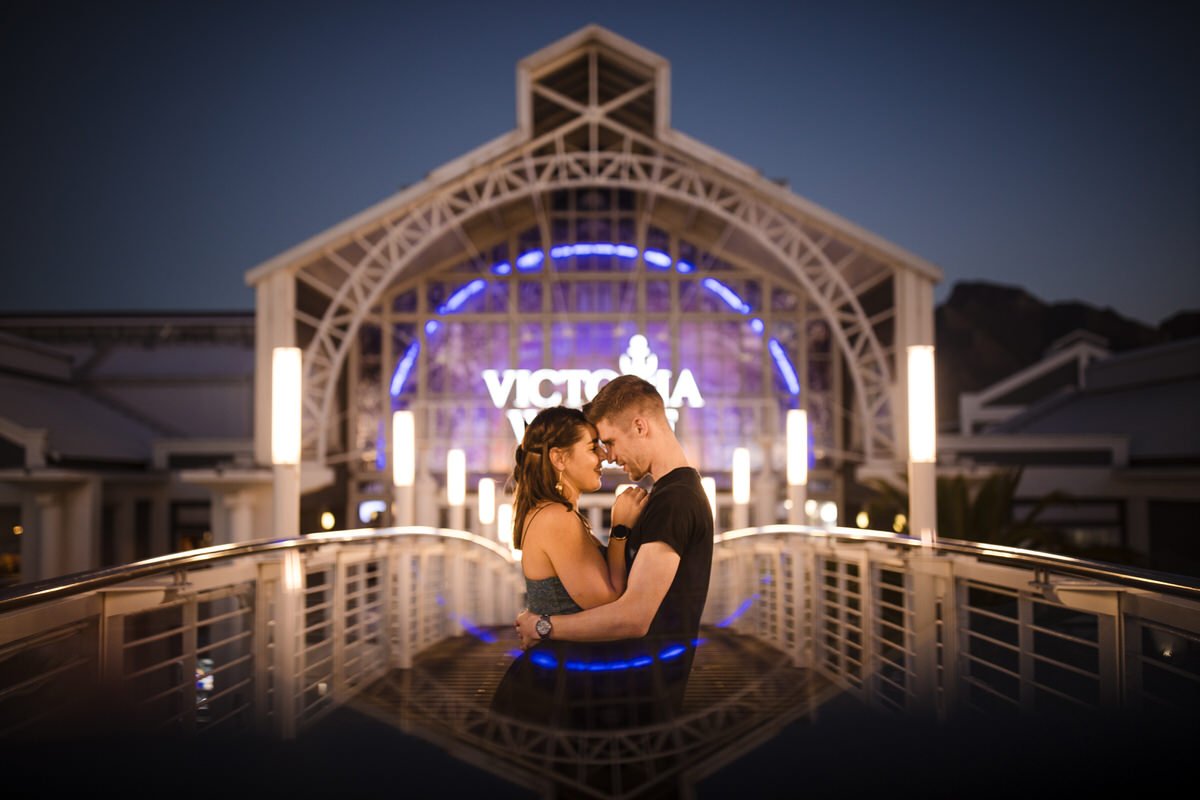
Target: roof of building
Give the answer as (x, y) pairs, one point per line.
(1150, 395)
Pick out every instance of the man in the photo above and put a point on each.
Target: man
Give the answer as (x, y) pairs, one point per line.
(669, 549)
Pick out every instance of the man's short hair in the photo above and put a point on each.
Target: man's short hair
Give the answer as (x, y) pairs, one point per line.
(624, 395)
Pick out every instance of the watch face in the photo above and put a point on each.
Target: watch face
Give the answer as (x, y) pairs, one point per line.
(543, 627)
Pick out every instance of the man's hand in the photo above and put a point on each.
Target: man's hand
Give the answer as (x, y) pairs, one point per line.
(628, 506)
(525, 623)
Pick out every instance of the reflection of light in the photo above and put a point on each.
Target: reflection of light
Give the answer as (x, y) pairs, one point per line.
(756, 325)
(863, 520)
(530, 260)
(684, 267)
(404, 447)
(829, 512)
(293, 571)
(367, 509)
(672, 652)
(899, 522)
(431, 327)
(487, 501)
(327, 521)
(543, 660)
(742, 609)
(657, 258)
(18, 530)
(479, 633)
(730, 297)
(503, 268)
(784, 364)
(741, 476)
(403, 368)
(456, 477)
(461, 296)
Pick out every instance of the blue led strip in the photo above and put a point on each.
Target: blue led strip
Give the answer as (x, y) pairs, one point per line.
(404, 368)
(669, 653)
(461, 296)
(784, 365)
(730, 297)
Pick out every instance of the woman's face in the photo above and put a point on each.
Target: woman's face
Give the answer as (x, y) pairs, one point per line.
(581, 462)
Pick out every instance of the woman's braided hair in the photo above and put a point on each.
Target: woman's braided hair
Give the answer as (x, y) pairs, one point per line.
(533, 475)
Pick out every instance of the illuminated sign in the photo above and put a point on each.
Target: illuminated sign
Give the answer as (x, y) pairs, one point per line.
(525, 392)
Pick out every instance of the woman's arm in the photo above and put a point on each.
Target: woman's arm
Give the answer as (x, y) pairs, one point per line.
(574, 557)
(625, 512)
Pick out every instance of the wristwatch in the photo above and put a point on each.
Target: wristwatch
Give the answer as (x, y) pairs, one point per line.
(619, 532)
(543, 626)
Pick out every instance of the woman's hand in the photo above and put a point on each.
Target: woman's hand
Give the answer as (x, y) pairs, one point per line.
(628, 506)
(525, 623)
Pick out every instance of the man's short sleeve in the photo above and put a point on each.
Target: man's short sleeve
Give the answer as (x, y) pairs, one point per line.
(666, 519)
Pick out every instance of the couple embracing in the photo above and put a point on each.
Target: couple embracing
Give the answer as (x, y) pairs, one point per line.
(608, 630)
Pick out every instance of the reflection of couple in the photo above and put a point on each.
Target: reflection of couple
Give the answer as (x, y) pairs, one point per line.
(609, 633)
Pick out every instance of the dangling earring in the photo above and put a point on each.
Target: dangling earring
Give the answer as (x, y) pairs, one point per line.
(558, 485)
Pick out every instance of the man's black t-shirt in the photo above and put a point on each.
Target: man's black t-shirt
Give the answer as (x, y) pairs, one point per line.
(678, 514)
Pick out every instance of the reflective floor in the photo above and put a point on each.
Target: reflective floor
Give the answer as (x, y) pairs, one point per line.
(750, 727)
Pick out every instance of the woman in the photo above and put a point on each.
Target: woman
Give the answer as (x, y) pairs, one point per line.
(566, 569)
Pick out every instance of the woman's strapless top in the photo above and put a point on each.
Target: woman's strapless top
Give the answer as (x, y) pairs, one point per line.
(549, 596)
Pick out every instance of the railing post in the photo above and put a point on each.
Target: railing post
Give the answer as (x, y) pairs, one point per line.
(931, 576)
(289, 601)
(402, 655)
(338, 610)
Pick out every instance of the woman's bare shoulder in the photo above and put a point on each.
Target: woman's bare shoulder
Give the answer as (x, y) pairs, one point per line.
(552, 517)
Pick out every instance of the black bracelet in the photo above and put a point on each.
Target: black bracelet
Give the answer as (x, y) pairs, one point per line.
(619, 532)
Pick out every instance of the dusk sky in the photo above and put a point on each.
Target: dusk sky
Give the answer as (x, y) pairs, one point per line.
(153, 152)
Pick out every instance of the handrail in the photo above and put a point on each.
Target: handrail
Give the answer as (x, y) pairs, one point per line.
(22, 595)
(1134, 577)
(26, 594)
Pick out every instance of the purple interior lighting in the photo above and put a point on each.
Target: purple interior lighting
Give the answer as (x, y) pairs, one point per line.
(684, 267)
(503, 268)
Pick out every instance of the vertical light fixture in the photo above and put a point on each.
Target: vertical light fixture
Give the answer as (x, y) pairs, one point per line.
(487, 501)
(797, 464)
(456, 486)
(922, 444)
(285, 405)
(504, 527)
(286, 401)
(404, 461)
(741, 487)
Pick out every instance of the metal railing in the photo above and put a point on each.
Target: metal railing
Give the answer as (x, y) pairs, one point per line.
(263, 636)
(269, 636)
(963, 627)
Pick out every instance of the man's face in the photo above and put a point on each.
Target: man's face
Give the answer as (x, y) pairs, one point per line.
(621, 447)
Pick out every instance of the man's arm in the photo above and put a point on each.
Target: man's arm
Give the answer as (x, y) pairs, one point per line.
(627, 617)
